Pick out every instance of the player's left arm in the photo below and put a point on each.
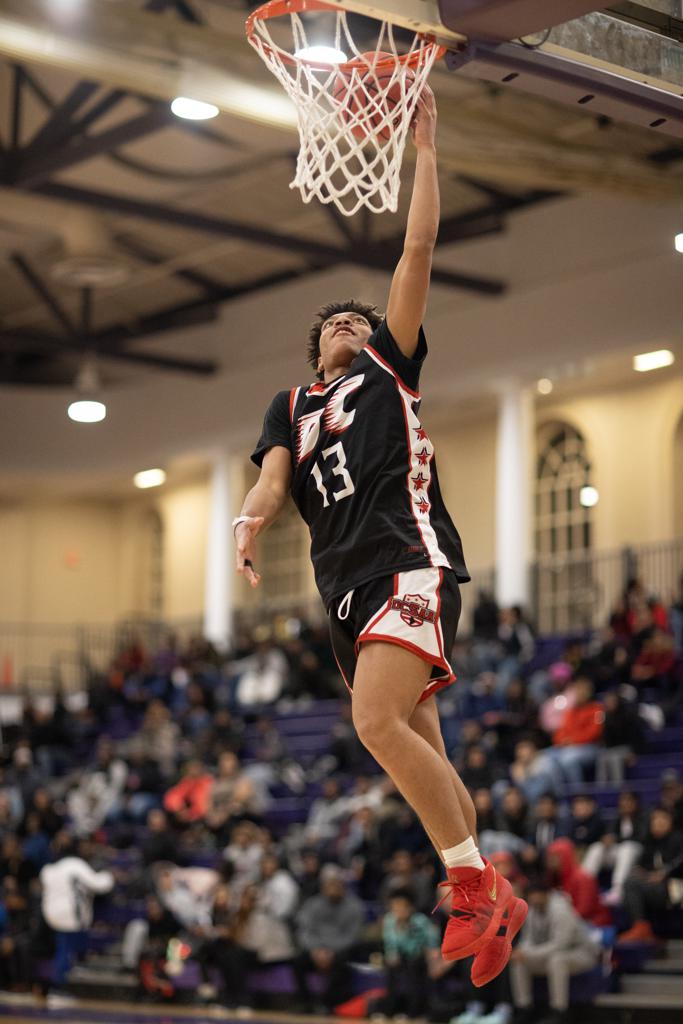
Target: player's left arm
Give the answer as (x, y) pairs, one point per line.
(410, 285)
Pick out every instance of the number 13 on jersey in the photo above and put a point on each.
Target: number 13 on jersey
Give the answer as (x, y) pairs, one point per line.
(338, 469)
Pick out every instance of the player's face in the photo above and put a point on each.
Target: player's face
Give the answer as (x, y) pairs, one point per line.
(342, 337)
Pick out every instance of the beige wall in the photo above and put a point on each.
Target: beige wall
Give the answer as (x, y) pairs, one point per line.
(185, 515)
(61, 561)
(630, 436)
(466, 462)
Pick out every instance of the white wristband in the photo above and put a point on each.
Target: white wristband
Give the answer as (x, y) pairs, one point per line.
(239, 519)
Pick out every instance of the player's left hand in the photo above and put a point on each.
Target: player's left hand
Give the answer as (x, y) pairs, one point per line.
(423, 126)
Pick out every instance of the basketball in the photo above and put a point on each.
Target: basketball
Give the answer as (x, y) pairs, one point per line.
(355, 100)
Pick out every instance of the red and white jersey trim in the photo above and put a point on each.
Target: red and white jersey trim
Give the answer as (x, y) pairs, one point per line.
(421, 453)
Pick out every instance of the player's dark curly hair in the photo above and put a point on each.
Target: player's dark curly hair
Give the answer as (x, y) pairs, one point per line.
(371, 314)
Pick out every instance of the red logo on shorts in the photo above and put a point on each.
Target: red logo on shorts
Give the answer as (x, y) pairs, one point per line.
(414, 609)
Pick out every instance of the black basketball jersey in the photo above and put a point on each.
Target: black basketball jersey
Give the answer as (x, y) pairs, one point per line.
(363, 471)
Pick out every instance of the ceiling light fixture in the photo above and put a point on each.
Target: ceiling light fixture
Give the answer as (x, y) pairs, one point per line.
(589, 497)
(193, 110)
(678, 243)
(87, 408)
(544, 386)
(653, 360)
(149, 478)
(324, 54)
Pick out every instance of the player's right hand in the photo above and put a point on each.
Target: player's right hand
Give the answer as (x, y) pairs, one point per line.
(245, 533)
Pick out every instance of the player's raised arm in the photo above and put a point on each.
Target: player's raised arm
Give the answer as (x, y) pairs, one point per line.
(261, 506)
(410, 285)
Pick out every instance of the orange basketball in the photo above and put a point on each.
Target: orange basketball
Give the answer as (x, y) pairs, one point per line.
(357, 108)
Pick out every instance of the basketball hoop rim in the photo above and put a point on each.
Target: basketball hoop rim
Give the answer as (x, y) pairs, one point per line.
(279, 8)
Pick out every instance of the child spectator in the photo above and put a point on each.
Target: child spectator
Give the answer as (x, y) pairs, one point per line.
(410, 940)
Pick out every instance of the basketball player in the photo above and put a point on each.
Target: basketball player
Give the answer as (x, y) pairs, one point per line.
(388, 560)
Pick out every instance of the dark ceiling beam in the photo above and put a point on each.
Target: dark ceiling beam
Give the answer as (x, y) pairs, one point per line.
(48, 346)
(224, 228)
(58, 125)
(99, 109)
(38, 286)
(209, 285)
(180, 316)
(42, 166)
(17, 106)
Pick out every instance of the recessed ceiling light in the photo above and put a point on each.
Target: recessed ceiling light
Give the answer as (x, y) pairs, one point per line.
(678, 242)
(589, 497)
(653, 360)
(149, 478)
(193, 110)
(544, 386)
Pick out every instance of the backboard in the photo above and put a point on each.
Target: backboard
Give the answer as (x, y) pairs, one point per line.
(625, 63)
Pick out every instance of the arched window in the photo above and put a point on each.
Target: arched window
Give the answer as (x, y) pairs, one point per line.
(565, 593)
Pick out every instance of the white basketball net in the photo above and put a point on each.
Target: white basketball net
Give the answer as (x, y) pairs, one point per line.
(333, 165)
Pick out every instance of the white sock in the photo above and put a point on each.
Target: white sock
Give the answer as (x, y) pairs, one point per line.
(464, 855)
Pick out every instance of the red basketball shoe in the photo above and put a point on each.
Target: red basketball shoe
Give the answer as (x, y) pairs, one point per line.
(493, 957)
(479, 899)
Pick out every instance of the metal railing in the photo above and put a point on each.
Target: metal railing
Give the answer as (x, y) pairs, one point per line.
(568, 593)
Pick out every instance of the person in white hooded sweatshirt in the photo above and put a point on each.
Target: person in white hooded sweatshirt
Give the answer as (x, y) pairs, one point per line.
(69, 887)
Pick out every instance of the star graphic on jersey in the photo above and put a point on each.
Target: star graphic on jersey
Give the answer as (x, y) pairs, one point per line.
(419, 481)
(423, 505)
(423, 457)
(421, 433)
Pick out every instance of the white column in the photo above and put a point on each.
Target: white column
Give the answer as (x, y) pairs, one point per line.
(514, 495)
(218, 591)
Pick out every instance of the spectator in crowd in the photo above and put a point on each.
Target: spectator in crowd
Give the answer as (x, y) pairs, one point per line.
(16, 938)
(518, 717)
(50, 817)
(307, 874)
(99, 793)
(555, 944)
(188, 800)
(620, 846)
(575, 741)
(232, 796)
(533, 772)
(511, 822)
(586, 825)
(220, 947)
(15, 864)
(671, 796)
(160, 737)
(325, 813)
(622, 737)
(161, 928)
(69, 886)
(646, 890)
(23, 778)
(261, 677)
(403, 876)
(328, 927)
(244, 852)
(278, 893)
(581, 888)
(655, 664)
(161, 842)
(485, 617)
(347, 753)
(517, 642)
(486, 815)
(410, 942)
(144, 785)
(477, 772)
(547, 823)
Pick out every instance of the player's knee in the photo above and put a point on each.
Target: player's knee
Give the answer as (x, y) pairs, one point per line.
(373, 725)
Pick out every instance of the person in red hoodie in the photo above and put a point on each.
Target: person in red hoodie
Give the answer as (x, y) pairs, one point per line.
(581, 888)
(188, 800)
(575, 742)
